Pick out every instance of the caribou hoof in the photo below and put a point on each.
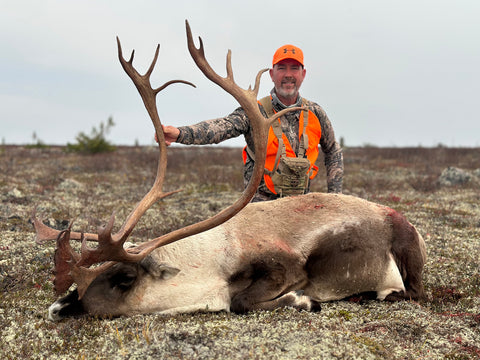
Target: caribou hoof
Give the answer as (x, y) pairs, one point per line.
(302, 302)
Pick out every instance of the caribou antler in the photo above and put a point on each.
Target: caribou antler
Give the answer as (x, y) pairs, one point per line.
(110, 247)
(148, 94)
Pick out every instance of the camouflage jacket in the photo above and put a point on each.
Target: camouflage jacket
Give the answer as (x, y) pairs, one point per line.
(217, 130)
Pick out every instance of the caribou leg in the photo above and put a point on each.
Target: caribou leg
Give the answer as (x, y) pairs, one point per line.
(270, 284)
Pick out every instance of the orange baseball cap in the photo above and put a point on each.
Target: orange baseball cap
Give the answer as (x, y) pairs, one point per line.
(288, 52)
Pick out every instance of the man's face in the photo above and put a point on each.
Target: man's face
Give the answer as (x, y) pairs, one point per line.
(287, 76)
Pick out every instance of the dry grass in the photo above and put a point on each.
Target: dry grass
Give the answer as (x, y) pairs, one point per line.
(63, 186)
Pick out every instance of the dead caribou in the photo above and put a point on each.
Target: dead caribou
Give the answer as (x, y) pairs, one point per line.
(296, 251)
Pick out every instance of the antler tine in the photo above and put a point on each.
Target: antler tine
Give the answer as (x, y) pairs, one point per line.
(257, 81)
(154, 61)
(44, 233)
(64, 258)
(198, 55)
(229, 65)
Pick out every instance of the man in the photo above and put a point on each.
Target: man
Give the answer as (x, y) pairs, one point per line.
(295, 138)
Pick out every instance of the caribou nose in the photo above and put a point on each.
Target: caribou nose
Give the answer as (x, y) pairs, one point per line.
(54, 312)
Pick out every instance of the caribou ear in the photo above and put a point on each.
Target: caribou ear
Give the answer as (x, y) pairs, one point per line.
(167, 272)
(159, 270)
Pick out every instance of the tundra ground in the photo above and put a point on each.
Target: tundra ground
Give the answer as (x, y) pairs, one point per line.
(65, 186)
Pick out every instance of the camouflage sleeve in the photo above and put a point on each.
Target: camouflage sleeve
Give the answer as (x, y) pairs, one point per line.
(216, 130)
(333, 156)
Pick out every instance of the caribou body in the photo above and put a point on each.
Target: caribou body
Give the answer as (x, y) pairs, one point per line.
(296, 251)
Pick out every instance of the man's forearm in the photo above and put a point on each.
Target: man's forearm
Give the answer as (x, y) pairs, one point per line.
(334, 166)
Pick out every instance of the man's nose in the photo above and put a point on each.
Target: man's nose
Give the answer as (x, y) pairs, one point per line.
(289, 72)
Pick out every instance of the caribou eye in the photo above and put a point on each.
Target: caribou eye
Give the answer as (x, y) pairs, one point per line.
(124, 277)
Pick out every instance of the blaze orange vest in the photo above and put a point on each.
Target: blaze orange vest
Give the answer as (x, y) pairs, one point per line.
(314, 132)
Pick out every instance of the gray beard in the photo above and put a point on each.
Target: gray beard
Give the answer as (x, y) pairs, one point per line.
(279, 105)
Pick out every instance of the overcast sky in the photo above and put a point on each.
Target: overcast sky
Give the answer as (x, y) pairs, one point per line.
(388, 73)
